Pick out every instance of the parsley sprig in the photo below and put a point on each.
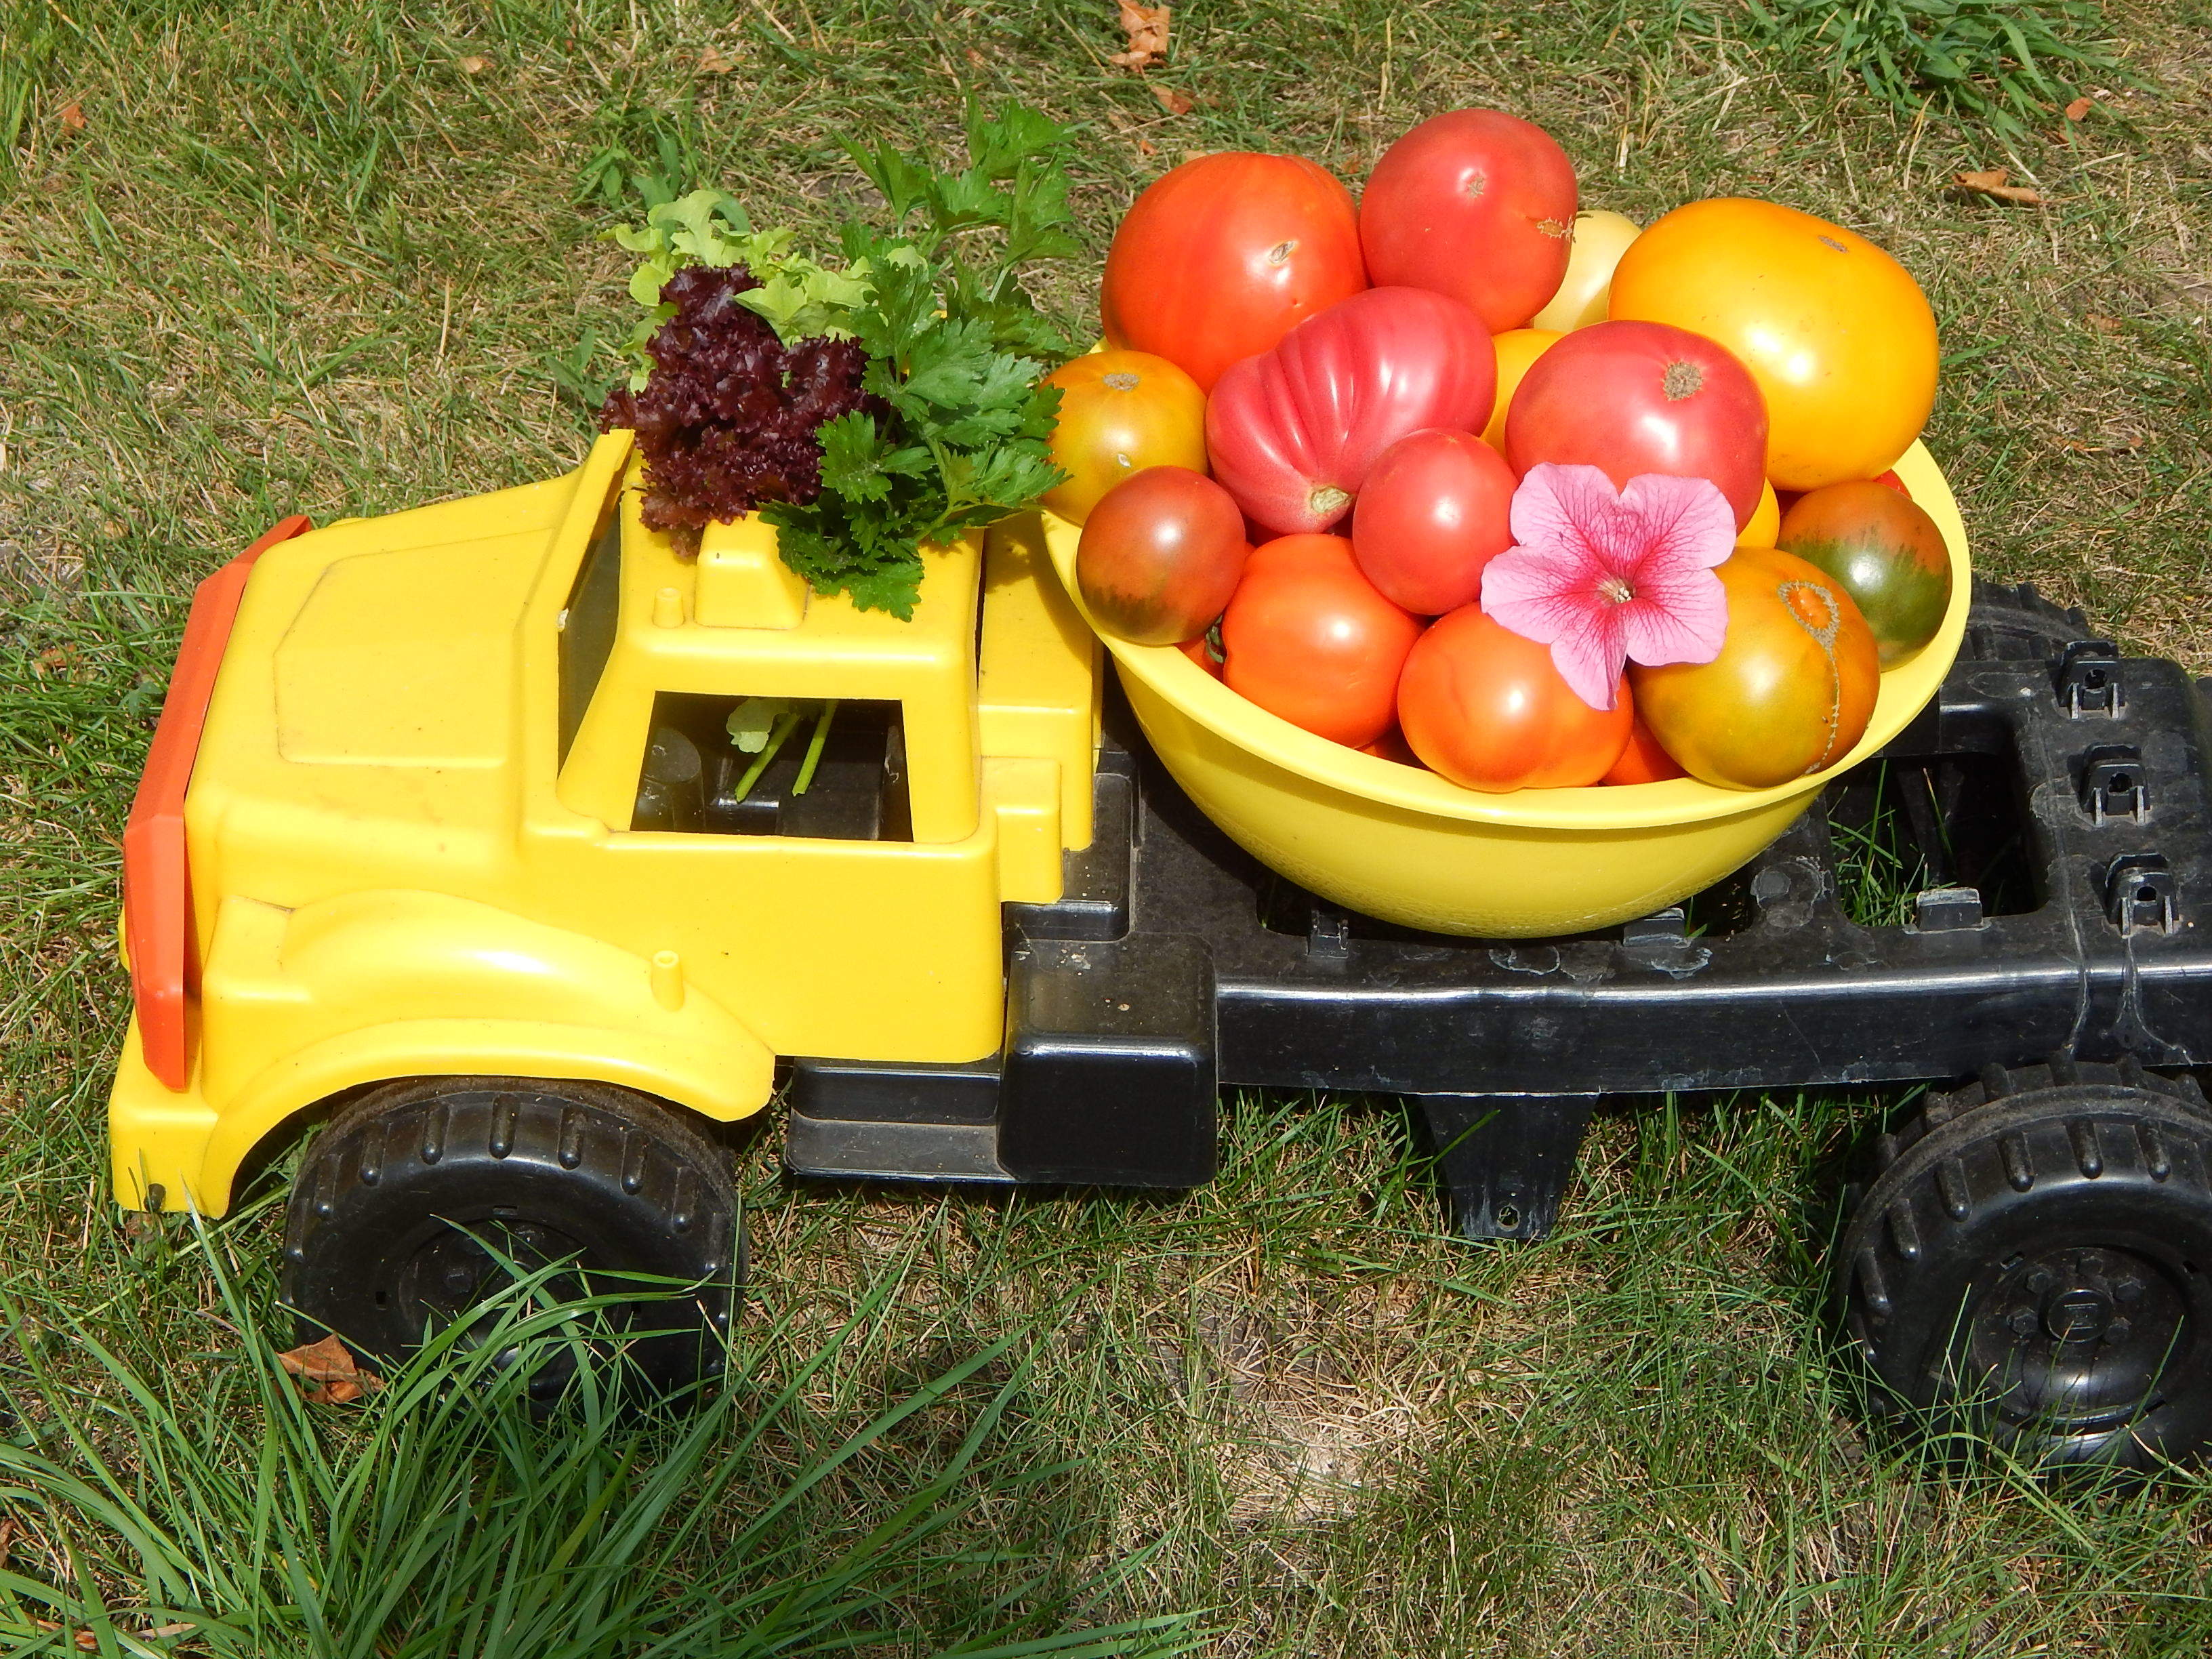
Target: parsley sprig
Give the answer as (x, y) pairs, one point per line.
(954, 346)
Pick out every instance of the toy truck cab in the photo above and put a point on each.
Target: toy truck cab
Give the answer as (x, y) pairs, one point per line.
(464, 805)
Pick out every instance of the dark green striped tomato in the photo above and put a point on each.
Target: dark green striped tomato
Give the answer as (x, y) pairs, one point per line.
(1883, 550)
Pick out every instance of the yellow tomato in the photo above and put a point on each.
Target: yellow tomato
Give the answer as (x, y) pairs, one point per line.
(1601, 236)
(1765, 520)
(1836, 332)
(1120, 412)
(1518, 348)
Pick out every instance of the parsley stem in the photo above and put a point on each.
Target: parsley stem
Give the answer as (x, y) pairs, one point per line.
(814, 748)
(784, 727)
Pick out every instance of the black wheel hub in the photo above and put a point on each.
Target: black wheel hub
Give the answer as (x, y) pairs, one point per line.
(2080, 1336)
(457, 1267)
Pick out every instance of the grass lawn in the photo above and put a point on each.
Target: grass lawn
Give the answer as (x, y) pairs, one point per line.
(304, 255)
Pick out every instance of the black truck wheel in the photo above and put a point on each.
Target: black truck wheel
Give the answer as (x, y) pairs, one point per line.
(2033, 1263)
(407, 1200)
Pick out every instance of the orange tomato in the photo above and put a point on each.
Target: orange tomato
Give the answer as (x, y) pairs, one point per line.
(1518, 348)
(1837, 333)
(1308, 638)
(1644, 761)
(1791, 690)
(1120, 412)
(1485, 708)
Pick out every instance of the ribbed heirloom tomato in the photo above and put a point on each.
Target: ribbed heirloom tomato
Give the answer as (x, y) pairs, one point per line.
(1486, 709)
(1309, 639)
(1293, 432)
(1120, 412)
(1226, 254)
(1836, 332)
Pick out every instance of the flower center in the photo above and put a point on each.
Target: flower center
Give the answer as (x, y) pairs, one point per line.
(1614, 590)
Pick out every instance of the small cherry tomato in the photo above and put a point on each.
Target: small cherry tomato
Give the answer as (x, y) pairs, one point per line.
(1434, 513)
(1487, 708)
(1201, 651)
(1120, 412)
(1160, 556)
(1309, 639)
(1644, 761)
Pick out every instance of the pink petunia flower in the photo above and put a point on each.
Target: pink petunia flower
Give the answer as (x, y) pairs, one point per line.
(1608, 577)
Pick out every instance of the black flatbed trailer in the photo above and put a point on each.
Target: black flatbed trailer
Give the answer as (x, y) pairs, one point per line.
(2052, 803)
(2031, 1255)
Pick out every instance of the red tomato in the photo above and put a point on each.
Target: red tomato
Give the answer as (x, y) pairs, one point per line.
(1478, 205)
(1487, 709)
(1160, 555)
(1308, 638)
(1226, 254)
(1293, 432)
(1644, 761)
(1432, 514)
(1633, 397)
(1890, 480)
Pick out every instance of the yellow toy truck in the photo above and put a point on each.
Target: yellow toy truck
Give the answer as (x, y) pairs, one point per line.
(466, 834)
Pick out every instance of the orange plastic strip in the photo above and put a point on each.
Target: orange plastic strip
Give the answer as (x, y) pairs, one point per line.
(157, 895)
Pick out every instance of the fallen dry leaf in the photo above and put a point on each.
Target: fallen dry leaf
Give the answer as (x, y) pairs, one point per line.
(976, 58)
(2080, 108)
(55, 659)
(327, 1374)
(73, 116)
(1992, 183)
(1146, 147)
(85, 1641)
(474, 65)
(2101, 323)
(715, 61)
(1147, 29)
(1171, 101)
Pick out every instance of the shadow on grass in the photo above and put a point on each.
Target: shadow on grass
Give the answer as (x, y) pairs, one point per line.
(449, 1513)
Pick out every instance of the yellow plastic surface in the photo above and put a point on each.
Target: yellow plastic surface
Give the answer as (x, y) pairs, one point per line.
(394, 874)
(1401, 843)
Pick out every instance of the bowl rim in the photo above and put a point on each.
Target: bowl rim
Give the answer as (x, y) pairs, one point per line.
(1907, 687)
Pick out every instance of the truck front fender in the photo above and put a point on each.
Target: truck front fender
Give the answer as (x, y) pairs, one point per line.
(297, 1006)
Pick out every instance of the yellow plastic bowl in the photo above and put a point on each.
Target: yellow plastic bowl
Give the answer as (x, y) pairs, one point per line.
(1401, 843)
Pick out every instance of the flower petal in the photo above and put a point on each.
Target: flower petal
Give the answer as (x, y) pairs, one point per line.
(1687, 522)
(1561, 506)
(1538, 592)
(1589, 654)
(1687, 623)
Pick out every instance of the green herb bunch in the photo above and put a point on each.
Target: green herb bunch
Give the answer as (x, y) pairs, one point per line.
(952, 434)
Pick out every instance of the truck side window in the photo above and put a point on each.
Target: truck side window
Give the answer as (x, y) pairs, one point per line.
(692, 773)
(587, 628)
